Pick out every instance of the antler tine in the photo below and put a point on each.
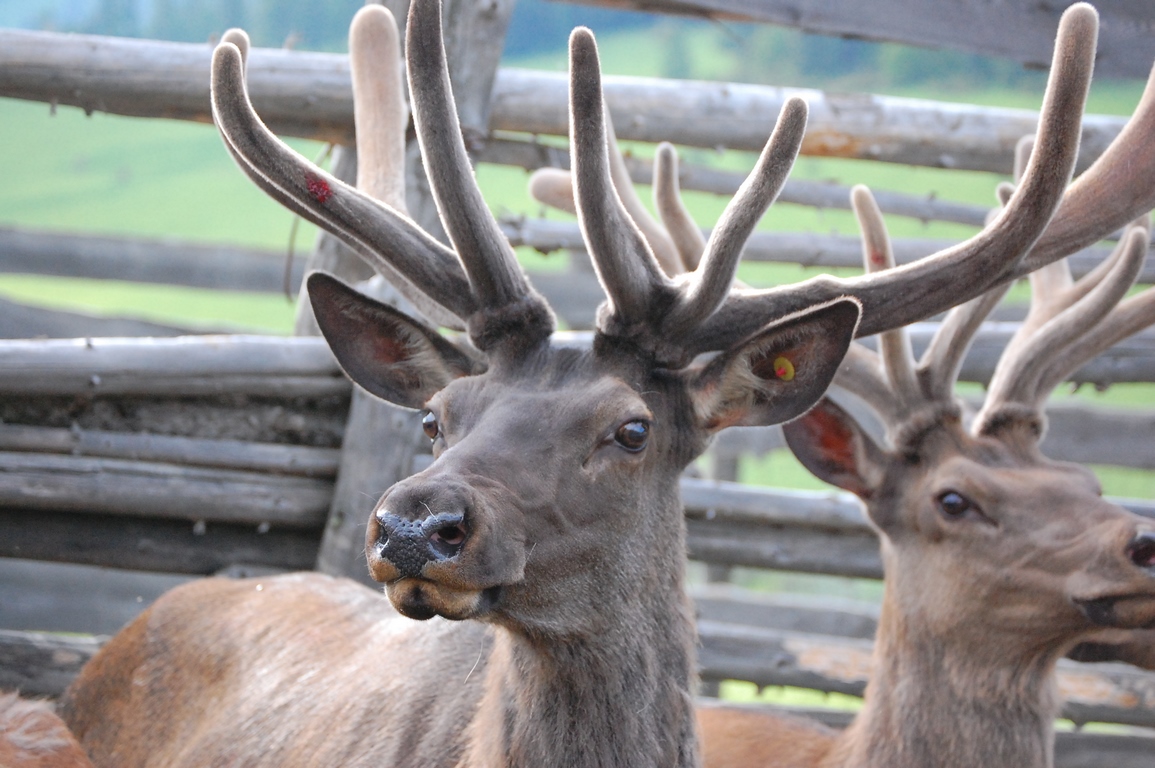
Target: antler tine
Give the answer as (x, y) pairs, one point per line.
(1129, 317)
(1018, 376)
(877, 255)
(1116, 189)
(380, 113)
(497, 279)
(657, 238)
(939, 367)
(712, 281)
(861, 374)
(905, 294)
(386, 238)
(553, 187)
(684, 233)
(625, 265)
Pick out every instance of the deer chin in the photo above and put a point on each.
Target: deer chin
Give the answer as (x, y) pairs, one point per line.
(422, 599)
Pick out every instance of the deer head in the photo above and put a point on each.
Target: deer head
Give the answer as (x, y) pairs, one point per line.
(997, 559)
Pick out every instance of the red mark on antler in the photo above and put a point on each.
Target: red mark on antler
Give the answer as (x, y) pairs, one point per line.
(318, 188)
(877, 258)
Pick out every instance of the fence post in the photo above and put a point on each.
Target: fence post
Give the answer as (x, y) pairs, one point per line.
(381, 440)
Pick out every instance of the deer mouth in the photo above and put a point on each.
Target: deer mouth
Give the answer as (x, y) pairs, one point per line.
(1128, 611)
(421, 599)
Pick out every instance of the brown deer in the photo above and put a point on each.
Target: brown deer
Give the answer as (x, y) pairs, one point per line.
(550, 516)
(997, 560)
(32, 736)
(899, 392)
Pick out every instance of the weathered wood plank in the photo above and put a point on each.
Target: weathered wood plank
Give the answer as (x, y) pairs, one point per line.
(53, 483)
(143, 260)
(811, 614)
(41, 664)
(187, 365)
(1113, 693)
(150, 544)
(807, 249)
(1020, 30)
(309, 95)
(223, 454)
(64, 597)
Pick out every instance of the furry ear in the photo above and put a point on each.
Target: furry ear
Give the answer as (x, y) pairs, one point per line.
(779, 372)
(833, 446)
(391, 355)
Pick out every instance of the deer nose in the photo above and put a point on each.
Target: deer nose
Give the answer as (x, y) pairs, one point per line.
(1141, 550)
(409, 544)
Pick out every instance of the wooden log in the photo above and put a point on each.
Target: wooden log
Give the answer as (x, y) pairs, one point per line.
(807, 249)
(1098, 435)
(63, 597)
(811, 614)
(1078, 432)
(144, 260)
(189, 365)
(41, 664)
(53, 483)
(151, 544)
(303, 461)
(309, 95)
(1020, 30)
(308, 421)
(1113, 693)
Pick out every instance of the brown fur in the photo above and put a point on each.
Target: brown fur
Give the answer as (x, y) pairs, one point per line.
(32, 736)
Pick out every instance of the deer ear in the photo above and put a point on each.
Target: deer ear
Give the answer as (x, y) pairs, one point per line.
(391, 355)
(779, 372)
(833, 446)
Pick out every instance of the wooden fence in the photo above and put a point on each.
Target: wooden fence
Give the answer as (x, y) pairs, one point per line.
(195, 455)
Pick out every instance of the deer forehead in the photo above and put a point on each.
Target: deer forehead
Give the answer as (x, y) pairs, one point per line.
(546, 406)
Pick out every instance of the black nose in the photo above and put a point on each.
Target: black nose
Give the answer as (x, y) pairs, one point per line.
(410, 544)
(1141, 550)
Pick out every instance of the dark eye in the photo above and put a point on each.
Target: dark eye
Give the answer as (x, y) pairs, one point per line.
(954, 504)
(429, 425)
(633, 435)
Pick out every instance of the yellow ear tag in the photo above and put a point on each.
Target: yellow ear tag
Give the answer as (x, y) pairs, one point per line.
(783, 369)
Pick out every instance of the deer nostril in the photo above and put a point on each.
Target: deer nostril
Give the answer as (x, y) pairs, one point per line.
(1141, 550)
(448, 539)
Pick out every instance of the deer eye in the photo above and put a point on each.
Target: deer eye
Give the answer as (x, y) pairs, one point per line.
(633, 435)
(953, 504)
(429, 425)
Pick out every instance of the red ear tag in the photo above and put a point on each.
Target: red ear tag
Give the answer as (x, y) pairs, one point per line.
(783, 369)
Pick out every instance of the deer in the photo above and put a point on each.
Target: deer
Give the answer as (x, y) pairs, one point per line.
(998, 561)
(542, 552)
(33, 736)
(1068, 323)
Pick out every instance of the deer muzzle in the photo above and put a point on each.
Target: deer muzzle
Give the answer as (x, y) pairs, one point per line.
(1132, 607)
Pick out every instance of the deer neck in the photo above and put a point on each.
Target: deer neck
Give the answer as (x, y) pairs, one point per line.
(617, 696)
(936, 701)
